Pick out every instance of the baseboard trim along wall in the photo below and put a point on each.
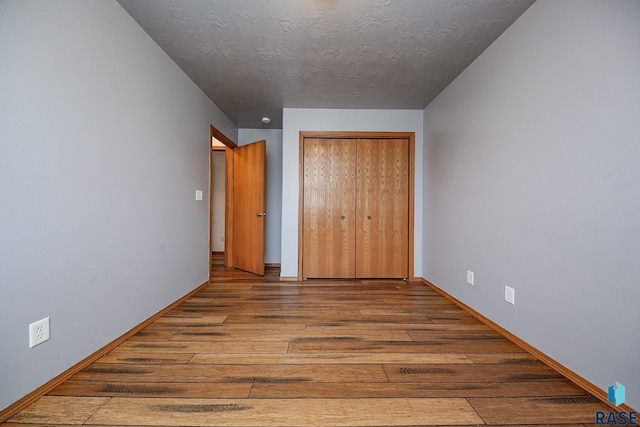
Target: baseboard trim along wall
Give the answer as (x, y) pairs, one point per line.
(36, 394)
(581, 382)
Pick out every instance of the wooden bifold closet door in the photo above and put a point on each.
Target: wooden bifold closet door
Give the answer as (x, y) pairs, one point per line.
(355, 208)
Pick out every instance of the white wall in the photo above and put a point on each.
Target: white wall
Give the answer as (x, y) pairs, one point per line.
(103, 142)
(274, 187)
(532, 157)
(218, 200)
(306, 119)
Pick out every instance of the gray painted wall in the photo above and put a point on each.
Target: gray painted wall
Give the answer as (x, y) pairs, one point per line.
(274, 187)
(532, 180)
(103, 142)
(317, 119)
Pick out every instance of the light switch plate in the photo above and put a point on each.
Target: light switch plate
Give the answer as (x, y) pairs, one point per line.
(470, 277)
(198, 195)
(510, 295)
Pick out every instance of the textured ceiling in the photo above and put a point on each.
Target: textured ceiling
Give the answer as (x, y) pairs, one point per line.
(254, 57)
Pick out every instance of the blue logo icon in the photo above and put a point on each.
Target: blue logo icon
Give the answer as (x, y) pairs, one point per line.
(616, 394)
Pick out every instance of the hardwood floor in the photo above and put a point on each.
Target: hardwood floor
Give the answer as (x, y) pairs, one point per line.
(252, 351)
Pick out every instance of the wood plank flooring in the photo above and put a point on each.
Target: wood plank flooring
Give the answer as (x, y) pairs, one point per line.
(251, 351)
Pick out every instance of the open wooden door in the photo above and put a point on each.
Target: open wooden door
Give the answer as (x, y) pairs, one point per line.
(249, 176)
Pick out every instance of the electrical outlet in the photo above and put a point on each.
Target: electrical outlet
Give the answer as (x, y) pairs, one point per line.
(510, 295)
(38, 332)
(470, 277)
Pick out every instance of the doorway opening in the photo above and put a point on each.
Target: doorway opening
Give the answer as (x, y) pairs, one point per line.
(217, 204)
(244, 189)
(220, 232)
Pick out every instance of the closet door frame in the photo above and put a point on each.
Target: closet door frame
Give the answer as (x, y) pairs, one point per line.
(356, 135)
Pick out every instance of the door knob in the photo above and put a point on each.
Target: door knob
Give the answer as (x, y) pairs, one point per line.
(261, 214)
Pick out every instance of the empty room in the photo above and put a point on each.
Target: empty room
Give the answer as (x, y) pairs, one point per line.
(319, 212)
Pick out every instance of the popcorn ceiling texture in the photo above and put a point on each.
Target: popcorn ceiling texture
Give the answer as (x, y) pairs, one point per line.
(254, 57)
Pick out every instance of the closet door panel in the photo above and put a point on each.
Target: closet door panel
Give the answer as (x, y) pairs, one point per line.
(329, 208)
(382, 200)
